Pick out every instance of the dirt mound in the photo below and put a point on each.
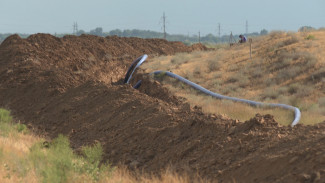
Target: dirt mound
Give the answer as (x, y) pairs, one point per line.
(199, 46)
(73, 85)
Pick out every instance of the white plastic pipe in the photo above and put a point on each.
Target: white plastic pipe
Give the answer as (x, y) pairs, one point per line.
(136, 63)
(219, 96)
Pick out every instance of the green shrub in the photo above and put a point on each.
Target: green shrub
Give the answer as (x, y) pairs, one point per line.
(55, 163)
(5, 122)
(93, 154)
(5, 116)
(310, 37)
(22, 128)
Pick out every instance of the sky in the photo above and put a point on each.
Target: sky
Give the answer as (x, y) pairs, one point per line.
(186, 17)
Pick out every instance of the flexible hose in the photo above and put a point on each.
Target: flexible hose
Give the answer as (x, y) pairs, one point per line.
(216, 95)
(135, 64)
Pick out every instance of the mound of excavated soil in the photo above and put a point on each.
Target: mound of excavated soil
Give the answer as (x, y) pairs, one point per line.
(72, 85)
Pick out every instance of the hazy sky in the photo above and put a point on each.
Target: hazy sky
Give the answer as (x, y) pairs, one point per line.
(183, 16)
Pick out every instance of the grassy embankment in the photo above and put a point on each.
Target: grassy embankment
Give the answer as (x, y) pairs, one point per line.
(25, 157)
(285, 68)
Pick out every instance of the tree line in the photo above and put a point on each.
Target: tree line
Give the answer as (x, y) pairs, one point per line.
(187, 39)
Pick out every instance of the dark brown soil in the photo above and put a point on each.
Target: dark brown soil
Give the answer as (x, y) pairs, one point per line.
(73, 86)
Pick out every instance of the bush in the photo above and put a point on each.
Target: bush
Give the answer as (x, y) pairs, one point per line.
(288, 73)
(310, 37)
(304, 91)
(22, 128)
(292, 39)
(232, 79)
(243, 82)
(54, 164)
(270, 93)
(7, 126)
(93, 155)
(213, 65)
(293, 88)
(321, 102)
(179, 58)
(197, 71)
(276, 34)
(5, 116)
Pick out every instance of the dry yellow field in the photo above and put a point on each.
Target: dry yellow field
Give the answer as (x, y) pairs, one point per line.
(285, 68)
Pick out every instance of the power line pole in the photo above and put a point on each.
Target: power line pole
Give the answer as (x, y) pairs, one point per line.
(232, 40)
(164, 25)
(246, 27)
(199, 37)
(219, 30)
(75, 28)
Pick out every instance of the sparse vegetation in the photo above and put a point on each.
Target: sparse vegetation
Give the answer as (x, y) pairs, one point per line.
(213, 65)
(45, 161)
(310, 37)
(281, 71)
(179, 58)
(321, 102)
(27, 158)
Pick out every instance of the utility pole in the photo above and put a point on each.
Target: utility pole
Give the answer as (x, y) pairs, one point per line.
(164, 25)
(199, 37)
(232, 40)
(246, 27)
(75, 28)
(219, 30)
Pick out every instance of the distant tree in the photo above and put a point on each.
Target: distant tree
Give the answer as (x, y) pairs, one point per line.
(98, 31)
(306, 28)
(80, 32)
(116, 32)
(209, 38)
(263, 32)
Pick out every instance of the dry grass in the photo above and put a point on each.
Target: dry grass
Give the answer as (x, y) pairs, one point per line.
(28, 158)
(285, 68)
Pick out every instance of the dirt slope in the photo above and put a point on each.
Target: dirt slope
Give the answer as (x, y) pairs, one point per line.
(72, 85)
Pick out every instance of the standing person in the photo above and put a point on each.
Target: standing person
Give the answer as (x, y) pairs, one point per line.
(242, 39)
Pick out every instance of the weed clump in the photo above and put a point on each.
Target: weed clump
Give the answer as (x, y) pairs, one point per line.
(270, 93)
(213, 65)
(310, 37)
(7, 126)
(321, 102)
(179, 59)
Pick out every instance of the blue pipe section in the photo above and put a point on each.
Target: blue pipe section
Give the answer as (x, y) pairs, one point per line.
(136, 63)
(216, 95)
